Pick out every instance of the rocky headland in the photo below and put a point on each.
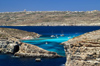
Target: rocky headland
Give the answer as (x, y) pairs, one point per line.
(28, 50)
(83, 50)
(10, 43)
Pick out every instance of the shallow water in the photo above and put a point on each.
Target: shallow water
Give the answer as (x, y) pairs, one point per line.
(52, 43)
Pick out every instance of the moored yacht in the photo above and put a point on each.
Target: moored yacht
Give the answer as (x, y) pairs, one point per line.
(46, 43)
(57, 36)
(62, 34)
(52, 36)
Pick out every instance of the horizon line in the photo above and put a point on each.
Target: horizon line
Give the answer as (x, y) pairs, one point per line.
(48, 11)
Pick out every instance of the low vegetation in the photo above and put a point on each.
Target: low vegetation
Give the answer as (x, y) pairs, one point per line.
(51, 18)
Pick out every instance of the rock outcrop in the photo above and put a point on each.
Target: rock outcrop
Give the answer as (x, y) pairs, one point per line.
(8, 33)
(28, 50)
(8, 46)
(83, 50)
(10, 43)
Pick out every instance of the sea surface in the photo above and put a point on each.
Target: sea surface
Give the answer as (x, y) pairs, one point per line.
(46, 42)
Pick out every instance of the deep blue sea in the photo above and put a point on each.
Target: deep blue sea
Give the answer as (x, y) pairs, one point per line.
(46, 42)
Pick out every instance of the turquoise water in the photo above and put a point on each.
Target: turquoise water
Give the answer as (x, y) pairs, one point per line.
(52, 43)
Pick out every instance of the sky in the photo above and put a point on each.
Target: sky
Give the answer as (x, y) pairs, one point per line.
(49, 5)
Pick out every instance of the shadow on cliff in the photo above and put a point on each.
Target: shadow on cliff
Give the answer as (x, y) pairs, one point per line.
(16, 48)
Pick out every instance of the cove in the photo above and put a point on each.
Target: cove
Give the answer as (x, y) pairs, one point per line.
(53, 43)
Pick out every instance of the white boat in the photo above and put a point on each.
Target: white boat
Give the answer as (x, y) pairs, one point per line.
(62, 34)
(57, 36)
(38, 59)
(69, 37)
(15, 56)
(46, 43)
(52, 36)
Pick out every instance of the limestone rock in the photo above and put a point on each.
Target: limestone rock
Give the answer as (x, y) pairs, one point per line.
(50, 18)
(10, 43)
(83, 50)
(14, 34)
(28, 50)
(8, 47)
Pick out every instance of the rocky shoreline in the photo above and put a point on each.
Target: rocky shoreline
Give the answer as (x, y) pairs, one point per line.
(83, 50)
(60, 24)
(10, 43)
(28, 50)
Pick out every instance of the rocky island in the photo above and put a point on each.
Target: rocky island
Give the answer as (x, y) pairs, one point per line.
(83, 50)
(10, 43)
(50, 18)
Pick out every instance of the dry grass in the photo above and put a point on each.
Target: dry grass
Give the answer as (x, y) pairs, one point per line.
(64, 17)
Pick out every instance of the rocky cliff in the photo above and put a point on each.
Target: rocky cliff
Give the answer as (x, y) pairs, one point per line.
(83, 50)
(10, 43)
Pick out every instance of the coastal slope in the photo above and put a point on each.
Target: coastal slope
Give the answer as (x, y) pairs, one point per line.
(83, 50)
(50, 18)
(10, 43)
(9, 33)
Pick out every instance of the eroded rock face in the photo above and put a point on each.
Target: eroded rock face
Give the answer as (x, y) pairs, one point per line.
(8, 46)
(28, 50)
(9, 39)
(83, 50)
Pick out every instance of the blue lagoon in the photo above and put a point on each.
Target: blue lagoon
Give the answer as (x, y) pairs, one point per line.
(46, 42)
